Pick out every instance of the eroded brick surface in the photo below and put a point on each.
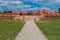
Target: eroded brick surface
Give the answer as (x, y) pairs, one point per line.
(35, 15)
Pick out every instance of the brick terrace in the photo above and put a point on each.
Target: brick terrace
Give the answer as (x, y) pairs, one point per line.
(35, 15)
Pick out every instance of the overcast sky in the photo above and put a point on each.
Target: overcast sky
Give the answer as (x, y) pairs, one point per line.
(27, 5)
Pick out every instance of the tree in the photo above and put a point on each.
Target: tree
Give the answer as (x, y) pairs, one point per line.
(38, 11)
(10, 13)
(7, 12)
(59, 10)
(1, 12)
(30, 13)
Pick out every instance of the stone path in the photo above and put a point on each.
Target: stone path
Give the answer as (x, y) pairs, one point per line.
(30, 31)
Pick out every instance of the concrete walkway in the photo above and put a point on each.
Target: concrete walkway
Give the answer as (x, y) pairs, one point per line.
(30, 31)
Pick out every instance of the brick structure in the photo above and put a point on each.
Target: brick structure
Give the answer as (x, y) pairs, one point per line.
(7, 15)
(35, 15)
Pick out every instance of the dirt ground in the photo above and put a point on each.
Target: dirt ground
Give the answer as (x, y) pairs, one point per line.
(29, 17)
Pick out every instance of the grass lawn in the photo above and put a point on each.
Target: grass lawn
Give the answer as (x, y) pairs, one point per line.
(50, 28)
(9, 29)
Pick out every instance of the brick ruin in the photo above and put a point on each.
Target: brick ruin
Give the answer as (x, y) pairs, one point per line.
(35, 15)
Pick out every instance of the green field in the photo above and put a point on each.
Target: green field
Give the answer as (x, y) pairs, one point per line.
(50, 28)
(10, 28)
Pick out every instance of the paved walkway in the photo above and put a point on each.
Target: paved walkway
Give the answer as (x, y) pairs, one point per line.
(30, 32)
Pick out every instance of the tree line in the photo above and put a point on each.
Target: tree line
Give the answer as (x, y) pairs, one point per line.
(5, 12)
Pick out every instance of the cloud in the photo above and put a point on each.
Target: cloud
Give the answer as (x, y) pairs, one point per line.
(26, 6)
(16, 2)
(13, 5)
(54, 2)
(11, 2)
(57, 0)
(12, 8)
(31, 9)
(3, 2)
(19, 5)
(23, 7)
(40, 1)
(1, 9)
(31, 0)
(45, 8)
(44, 2)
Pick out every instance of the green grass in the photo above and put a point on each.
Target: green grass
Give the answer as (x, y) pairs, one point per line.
(50, 28)
(9, 29)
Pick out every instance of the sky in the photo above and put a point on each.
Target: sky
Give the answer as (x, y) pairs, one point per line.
(29, 5)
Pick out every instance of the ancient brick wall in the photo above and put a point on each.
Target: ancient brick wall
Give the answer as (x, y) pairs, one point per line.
(34, 16)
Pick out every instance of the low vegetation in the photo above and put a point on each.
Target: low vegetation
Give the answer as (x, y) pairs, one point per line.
(10, 28)
(50, 28)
